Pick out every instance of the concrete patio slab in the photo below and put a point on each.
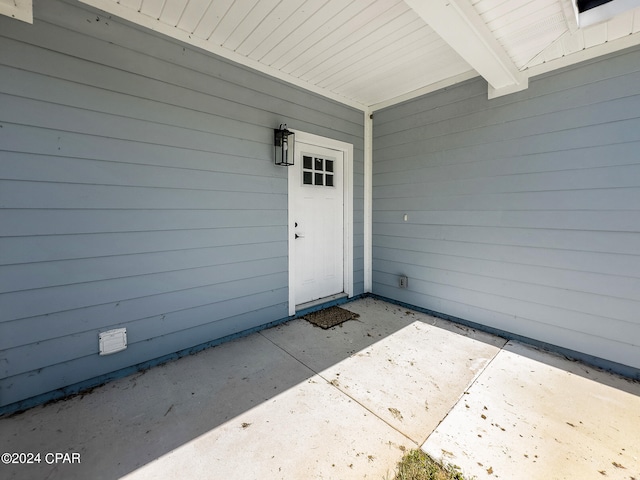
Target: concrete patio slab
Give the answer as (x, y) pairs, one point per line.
(319, 349)
(310, 431)
(127, 423)
(409, 378)
(296, 401)
(533, 414)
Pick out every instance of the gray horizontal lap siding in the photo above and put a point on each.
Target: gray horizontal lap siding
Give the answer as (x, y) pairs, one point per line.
(137, 189)
(523, 211)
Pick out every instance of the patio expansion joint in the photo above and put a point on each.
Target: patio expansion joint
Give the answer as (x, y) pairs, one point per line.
(466, 390)
(344, 392)
(287, 352)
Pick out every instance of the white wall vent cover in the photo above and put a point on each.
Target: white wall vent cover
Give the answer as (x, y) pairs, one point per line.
(113, 341)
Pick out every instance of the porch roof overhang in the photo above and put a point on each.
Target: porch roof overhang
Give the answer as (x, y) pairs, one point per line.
(370, 54)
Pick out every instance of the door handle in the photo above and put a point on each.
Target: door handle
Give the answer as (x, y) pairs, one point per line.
(299, 236)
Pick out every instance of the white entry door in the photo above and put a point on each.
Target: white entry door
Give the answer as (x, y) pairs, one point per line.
(318, 235)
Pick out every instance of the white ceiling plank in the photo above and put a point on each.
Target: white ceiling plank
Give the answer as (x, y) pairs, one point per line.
(358, 45)
(526, 43)
(19, 9)
(236, 14)
(483, 6)
(553, 51)
(283, 19)
(424, 90)
(250, 22)
(620, 26)
(367, 46)
(372, 53)
(421, 38)
(153, 24)
(573, 43)
(526, 27)
(509, 12)
(211, 18)
(586, 54)
(558, 48)
(459, 24)
(537, 60)
(542, 32)
(401, 79)
(404, 86)
(358, 64)
(134, 4)
(532, 20)
(399, 83)
(291, 47)
(397, 60)
(152, 8)
(172, 11)
(192, 15)
(595, 35)
(368, 21)
(313, 44)
(279, 40)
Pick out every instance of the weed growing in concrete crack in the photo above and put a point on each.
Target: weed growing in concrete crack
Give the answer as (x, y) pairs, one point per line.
(417, 465)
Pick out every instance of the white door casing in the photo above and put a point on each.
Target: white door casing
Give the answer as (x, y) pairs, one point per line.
(321, 258)
(318, 210)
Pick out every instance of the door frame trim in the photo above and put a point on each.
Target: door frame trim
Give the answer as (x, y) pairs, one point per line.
(347, 217)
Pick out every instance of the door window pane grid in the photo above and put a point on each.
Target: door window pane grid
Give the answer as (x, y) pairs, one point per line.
(317, 171)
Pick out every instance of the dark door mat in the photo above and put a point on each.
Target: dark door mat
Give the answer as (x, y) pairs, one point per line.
(330, 317)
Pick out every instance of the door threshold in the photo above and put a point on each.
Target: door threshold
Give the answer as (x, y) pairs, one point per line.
(320, 301)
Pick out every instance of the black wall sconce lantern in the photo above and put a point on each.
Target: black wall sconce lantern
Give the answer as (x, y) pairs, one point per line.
(283, 149)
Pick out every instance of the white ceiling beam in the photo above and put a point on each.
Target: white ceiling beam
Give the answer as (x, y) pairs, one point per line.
(18, 9)
(460, 25)
(570, 12)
